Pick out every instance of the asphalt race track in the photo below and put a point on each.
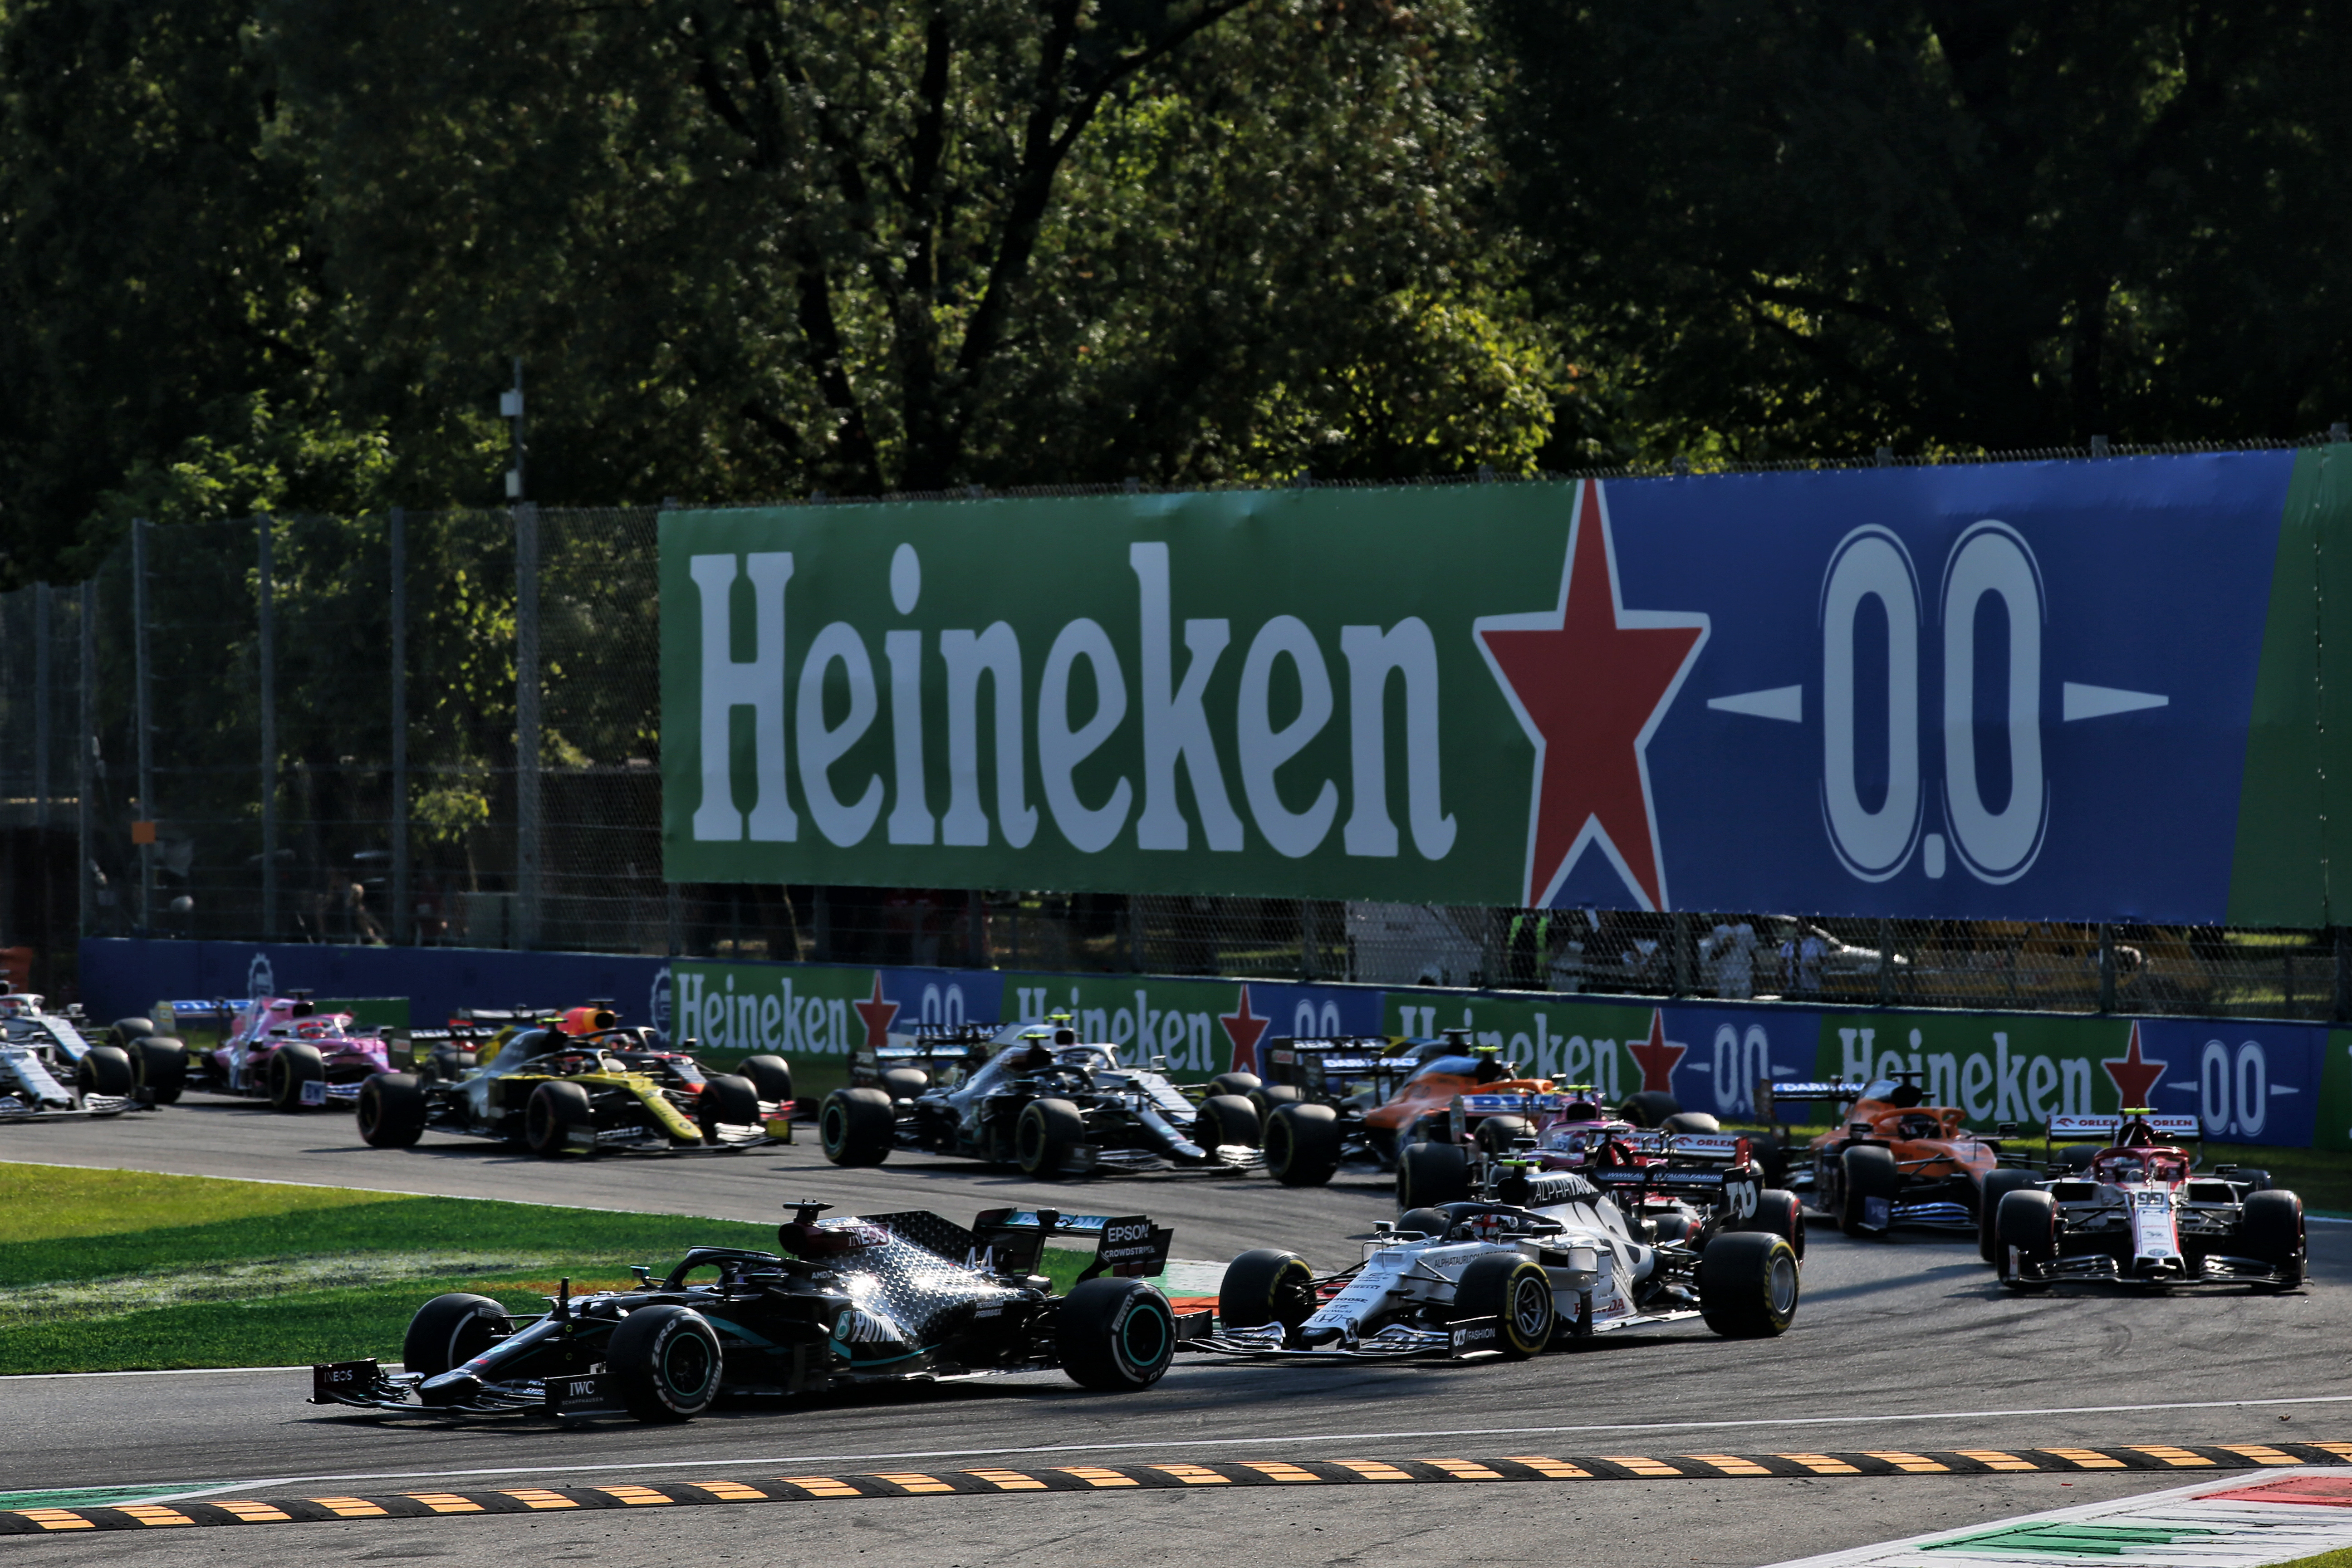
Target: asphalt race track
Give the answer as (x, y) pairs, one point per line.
(1903, 1344)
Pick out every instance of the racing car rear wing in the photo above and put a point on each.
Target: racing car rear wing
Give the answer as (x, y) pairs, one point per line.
(1131, 1247)
(2110, 1126)
(1336, 1053)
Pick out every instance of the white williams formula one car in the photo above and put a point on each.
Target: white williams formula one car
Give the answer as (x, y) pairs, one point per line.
(48, 1070)
(2136, 1213)
(1562, 1262)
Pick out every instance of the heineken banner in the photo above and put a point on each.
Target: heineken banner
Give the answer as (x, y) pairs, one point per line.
(2088, 690)
(2247, 1081)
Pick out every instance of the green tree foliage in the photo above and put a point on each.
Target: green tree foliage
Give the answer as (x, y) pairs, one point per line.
(157, 282)
(1813, 225)
(752, 248)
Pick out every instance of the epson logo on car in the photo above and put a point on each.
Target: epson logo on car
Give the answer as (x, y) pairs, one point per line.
(1127, 1231)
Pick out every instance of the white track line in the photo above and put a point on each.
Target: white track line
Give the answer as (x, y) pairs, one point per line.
(1201, 1442)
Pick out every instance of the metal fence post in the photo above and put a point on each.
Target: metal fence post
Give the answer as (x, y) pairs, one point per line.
(396, 564)
(140, 673)
(2106, 968)
(2343, 974)
(266, 621)
(85, 757)
(41, 728)
(1885, 962)
(526, 802)
(41, 725)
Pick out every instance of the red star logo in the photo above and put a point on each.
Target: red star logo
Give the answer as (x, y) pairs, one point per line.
(1243, 1027)
(1590, 682)
(1655, 1056)
(2134, 1074)
(877, 1015)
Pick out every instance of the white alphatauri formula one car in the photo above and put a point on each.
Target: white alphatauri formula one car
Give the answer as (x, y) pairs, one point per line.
(2139, 1214)
(48, 1070)
(1561, 1261)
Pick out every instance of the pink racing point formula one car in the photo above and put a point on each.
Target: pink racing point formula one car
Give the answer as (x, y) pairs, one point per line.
(282, 1050)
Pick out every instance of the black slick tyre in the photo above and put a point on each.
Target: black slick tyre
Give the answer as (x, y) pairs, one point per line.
(1649, 1107)
(1870, 1180)
(1748, 1285)
(1431, 1174)
(1226, 1120)
(1266, 1284)
(1302, 1146)
(856, 1126)
(905, 1083)
(1115, 1335)
(160, 1065)
(772, 1078)
(1429, 1221)
(1778, 1214)
(1516, 1293)
(1997, 1184)
(2270, 1228)
(1044, 1136)
(727, 1099)
(553, 1110)
(292, 1066)
(665, 1364)
(1495, 1133)
(1266, 1096)
(1239, 1083)
(390, 1110)
(122, 1031)
(104, 1069)
(1690, 1122)
(450, 1331)
(2025, 1229)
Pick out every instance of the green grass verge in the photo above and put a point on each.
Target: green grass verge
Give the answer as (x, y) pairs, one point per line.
(2339, 1558)
(114, 1270)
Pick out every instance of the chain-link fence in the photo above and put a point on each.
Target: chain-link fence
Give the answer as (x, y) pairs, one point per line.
(444, 728)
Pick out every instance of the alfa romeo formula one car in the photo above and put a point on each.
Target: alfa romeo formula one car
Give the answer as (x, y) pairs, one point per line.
(609, 1089)
(892, 1298)
(1894, 1159)
(277, 1048)
(1046, 1102)
(49, 1071)
(1536, 1258)
(2139, 1214)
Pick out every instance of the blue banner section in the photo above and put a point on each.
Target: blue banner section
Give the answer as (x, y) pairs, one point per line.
(2016, 691)
(2246, 1081)
(123, 977)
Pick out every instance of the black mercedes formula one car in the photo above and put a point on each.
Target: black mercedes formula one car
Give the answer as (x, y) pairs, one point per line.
(893, 1297)
(1046, 1102)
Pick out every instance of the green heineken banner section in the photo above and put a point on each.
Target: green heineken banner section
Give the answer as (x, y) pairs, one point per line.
(2247, 1081)
(2082, 690)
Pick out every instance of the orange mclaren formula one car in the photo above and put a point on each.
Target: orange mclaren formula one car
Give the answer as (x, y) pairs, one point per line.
(1327, 1102)
(1893, 1160)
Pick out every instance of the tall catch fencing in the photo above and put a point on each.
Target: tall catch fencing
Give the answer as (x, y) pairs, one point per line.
(442, 728)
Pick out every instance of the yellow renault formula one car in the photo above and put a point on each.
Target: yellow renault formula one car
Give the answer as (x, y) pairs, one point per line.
(609, 1089)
